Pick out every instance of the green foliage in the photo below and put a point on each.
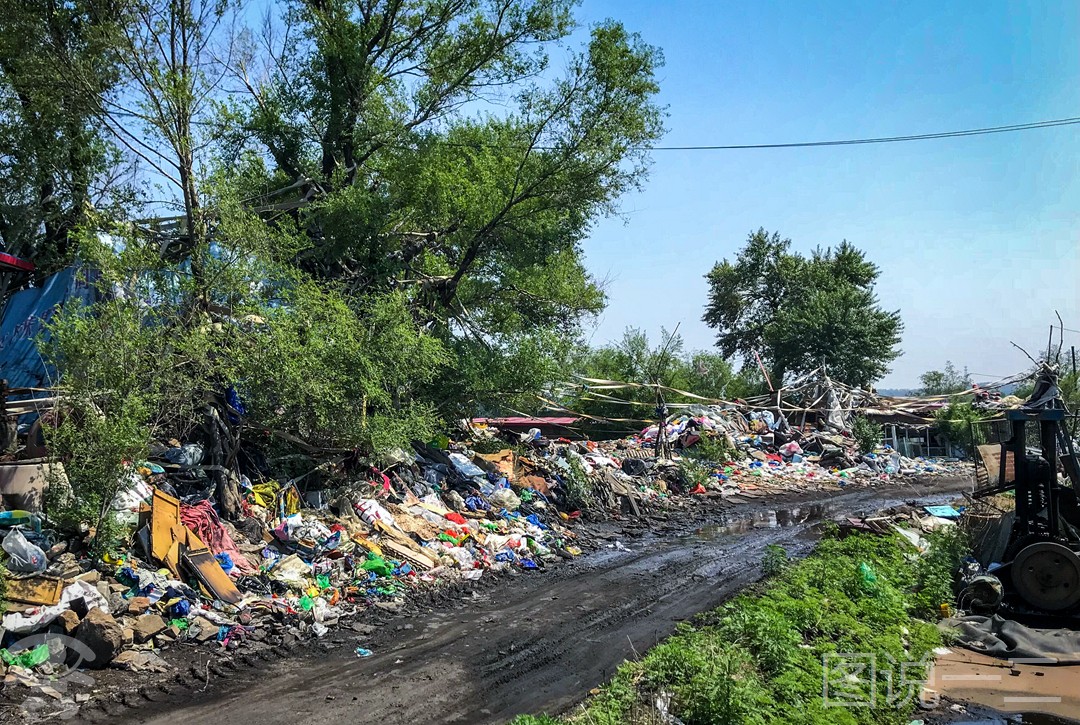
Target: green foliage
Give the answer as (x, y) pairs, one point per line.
(866, 433)
(633, 359)
(306, 360)
(693, 473)
(712, 448)
(477, 218)
(56, 60)
(577, 485)
(800, 312)
(112, 385)
(430, 264)
(758, 658)
(944, 382)
(935, 571)
(955, 421)
(710, 682)
(775, 560)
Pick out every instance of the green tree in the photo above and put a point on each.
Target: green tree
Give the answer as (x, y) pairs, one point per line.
(633, 359)
(956, 420)
(311, 365)
(479, 218)
(944, 382)
(799, 313)
(56, 61)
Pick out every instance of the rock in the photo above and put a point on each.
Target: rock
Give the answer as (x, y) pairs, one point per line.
(140, 662)
(118, 587)
(207, 630)
(65, 566)
(117, 604)
(363, 628)
(101, 633)
(68, 620)
(103, 589)
(147, 626)
(138, 605)
(129, 636)
(91, 577)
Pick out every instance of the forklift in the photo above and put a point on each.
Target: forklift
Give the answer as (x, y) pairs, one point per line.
(1041, 564)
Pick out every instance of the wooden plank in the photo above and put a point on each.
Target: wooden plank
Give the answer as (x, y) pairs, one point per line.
(42, 590)
(212, 576)
(165, 515)
(404, 553)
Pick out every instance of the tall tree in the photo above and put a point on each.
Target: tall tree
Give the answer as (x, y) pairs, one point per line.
(944, 382)
(172, 57)
(478, 215)
(798, 313)
(57, 59)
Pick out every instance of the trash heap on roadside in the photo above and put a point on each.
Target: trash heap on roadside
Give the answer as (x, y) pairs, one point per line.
(347, 540)
(295, 565)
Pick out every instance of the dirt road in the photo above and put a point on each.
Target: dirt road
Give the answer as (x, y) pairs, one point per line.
(535, 644)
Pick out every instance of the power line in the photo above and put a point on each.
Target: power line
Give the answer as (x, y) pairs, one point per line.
(1053, 123)
(882, 139)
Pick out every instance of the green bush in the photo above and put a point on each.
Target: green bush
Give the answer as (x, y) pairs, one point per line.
(936, 570)
(693, 473)
(714, 449)
(866, 433)
(955, 421)
(576, 484)
(775, 560)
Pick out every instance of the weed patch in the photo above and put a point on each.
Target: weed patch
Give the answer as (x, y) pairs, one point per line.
(760, 658)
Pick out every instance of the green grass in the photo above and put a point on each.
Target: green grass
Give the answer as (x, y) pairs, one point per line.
(757, 660)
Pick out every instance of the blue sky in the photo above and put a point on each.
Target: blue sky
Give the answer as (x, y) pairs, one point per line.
(978, 238)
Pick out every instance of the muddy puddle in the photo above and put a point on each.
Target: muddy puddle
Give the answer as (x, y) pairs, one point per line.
(800, 515)
(770, 519)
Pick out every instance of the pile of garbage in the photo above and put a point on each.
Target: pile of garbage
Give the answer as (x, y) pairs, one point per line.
(293, 567)
(764, 454)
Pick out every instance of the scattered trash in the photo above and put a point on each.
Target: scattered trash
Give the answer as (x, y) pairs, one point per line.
(317, 553)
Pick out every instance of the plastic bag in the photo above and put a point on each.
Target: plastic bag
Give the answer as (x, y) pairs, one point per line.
(23, 556)
(868, 577)
(371, 511)
(377, 564)
(27, 658)
(505, 498)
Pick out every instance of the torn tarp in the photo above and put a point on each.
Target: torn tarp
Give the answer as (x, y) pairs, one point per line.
(1004, 638)
(24, 319)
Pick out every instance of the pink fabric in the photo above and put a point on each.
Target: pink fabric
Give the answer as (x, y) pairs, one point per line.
(203, 520)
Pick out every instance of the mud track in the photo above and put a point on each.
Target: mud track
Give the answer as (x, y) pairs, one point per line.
(535, 644)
